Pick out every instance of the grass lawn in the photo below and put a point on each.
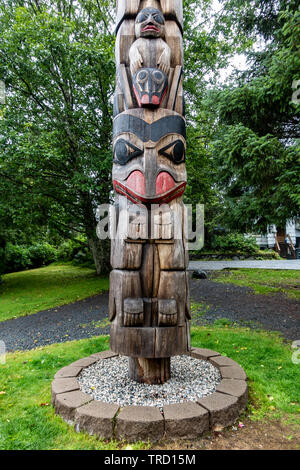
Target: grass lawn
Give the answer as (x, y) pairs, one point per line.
(28, 292)
(28, 421)
(263, 281)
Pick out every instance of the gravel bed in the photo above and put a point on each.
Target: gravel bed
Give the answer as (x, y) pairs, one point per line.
(108, 381)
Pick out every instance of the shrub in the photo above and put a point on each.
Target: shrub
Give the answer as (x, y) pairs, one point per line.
(41, 254)
(235, 243)
(20, 257)
(76, 250)
(16, 258)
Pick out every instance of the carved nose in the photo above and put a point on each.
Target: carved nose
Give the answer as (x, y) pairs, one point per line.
(164, 182)
(136, 182)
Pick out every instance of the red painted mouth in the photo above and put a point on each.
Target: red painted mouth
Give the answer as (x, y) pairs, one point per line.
(135, 188)
(150, 27)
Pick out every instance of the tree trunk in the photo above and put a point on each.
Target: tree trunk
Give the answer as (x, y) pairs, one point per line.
(100, 250)
(150, 371)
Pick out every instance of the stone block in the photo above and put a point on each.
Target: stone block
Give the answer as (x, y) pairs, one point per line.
(223, 361)
(68, 371)
(223, 409)
(139, 423)
(233, 372)
(66, 404)
(63, 386)
(236, 388)
(96, 418)
(202, 353)
(104, 355)
(185, 420)
(84, 362)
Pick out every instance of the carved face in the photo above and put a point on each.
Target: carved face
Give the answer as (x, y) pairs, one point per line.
(150, 23)
(149, 156)
(150, 86)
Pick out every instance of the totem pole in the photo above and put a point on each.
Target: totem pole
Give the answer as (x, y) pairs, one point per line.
(149, 286)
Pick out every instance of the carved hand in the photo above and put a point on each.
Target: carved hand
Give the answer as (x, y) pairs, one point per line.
(164, 61)
(136, 60)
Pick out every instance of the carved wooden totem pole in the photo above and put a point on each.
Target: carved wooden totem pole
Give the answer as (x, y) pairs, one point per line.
(149, 287)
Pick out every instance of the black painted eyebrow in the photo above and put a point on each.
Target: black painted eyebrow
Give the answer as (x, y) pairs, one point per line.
(143, 130)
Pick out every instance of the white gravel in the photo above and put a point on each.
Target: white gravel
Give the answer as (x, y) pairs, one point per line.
(108, 381)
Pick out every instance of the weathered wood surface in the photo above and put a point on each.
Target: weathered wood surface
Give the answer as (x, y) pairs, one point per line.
(149, 371)
(149, 289)
(159, 48)
(172, 9)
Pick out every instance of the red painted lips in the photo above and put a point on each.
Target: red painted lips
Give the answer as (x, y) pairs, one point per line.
(135, 189)
(150, 27)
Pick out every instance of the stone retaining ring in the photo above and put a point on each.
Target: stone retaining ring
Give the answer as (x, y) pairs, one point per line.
(188, 420)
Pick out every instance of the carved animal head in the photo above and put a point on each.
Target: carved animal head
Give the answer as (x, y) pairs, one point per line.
(149, 155)
(150, 23)
(150, 86)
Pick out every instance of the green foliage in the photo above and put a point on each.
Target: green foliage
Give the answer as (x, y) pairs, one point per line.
(75, 250)
(57, 61)
(256, 141)
(235, 243)
(19, 258)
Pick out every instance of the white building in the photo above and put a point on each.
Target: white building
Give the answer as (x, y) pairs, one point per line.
(288, 236)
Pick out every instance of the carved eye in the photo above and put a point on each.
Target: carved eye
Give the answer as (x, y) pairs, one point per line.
(142, 76)
(157, 76)
(142, 17)
(158, 18)
(125, 151)
(175, 151)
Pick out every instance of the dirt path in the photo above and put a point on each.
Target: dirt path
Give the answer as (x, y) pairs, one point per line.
(261, 435)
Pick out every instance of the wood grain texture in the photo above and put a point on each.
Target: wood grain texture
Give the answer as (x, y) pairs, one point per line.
(150, 371)
(124, 40)
(174, 40)
(147, 342)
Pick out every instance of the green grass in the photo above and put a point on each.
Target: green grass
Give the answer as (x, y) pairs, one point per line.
(273, 378)
(263, 281)
(28, 421)
(28, 292)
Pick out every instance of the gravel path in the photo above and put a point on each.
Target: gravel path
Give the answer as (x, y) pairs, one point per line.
(254, 264)
(78, 320)
(88, 317)
(274, 312)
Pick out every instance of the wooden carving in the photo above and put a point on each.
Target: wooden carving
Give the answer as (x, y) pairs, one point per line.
(149, 289)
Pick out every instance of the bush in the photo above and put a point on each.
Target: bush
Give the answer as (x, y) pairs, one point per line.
(68, 250)
(16, 258)
(77, 251)
(42, 254)
(20, 257)
(235, 243)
